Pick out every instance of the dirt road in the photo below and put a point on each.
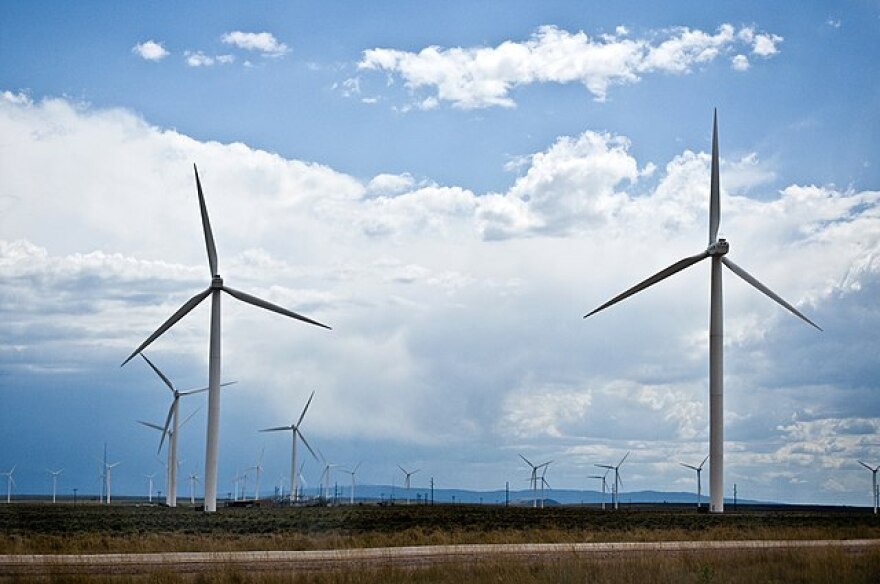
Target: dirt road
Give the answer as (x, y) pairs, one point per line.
(402, 557)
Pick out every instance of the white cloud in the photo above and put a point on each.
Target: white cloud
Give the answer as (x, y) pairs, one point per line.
(150, 50)
(262, 42)
(740, 63)
(484, 76)
(765, 44)
(198, 59)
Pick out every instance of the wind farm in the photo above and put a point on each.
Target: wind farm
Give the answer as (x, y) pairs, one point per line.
(502, 220)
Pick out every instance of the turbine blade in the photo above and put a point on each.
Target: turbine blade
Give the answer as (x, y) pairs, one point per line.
(402, 469)
(303, 414)
(527, 461)
(181, 312)
(715, 187)
(306, 442)
(866, 466)
(206, 226)
(754, 282)
(150, 425)
(688, 466)
(159, 373)
(269, 306)
(622, 459)
(203, 389)
(189, 417)
(279, 428)
(609, 467)
(357, 467)
(167, 423)
(661, 275)
(704, 462)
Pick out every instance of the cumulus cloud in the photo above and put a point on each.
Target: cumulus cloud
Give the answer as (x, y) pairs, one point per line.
(425, 284)
(740, 63)
(150, 51)
(480, 77)
(264, 43)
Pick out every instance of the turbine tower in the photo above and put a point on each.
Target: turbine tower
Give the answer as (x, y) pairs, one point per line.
(717, 250)
(173, 464)
(9, 482)
(149, 478)
(875, 494)
(615, 490)
(54, 474)
(295, 432)
(406, 480)
(214, 354)
(699, 470)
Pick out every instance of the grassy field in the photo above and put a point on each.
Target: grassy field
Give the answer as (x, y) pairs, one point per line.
(48, 529)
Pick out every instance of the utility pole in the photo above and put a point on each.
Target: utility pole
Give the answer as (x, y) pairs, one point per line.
(432, 491)
(734, 496)
(507, 493)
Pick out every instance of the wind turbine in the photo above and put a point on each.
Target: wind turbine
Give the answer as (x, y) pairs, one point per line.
(352, 473)
(615, 492)
(214, 291)
(193, 479)
(107, 468)
(325, 477)
(54, 474)
(874, 491)
(406, 481)
(9, 482)
(149, 478)
(602, 479)
(716, 250)
(533, 479)
(259, 469)
(173, 463)
(172, 421)
(295, 432)
(699, 470)
(544, 483)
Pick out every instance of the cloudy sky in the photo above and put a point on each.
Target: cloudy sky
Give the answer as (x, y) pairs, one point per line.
(451, 186)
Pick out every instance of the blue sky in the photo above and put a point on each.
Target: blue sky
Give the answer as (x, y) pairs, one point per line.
(451, 186)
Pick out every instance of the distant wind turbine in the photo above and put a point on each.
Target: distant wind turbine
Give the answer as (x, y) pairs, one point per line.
(295, 433)
(615, 490)
(325, 477)
(717, 250)
(533, 479)
(173, 464)
(214, 291)
(406, 481)
(699, 470)
(602, 480)
(258, 470)
(9, 483)
(149, 478)
(55, 474)
(193, 479)
(171, 427)
(544, 483)
(875, 494)
(352, 473)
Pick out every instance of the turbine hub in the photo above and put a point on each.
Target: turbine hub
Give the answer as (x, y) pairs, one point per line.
(217, 283)
(719, 248)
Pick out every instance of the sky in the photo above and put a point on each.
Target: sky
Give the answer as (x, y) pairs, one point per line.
(451, 186)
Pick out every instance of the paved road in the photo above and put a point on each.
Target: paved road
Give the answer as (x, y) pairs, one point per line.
(307, 561)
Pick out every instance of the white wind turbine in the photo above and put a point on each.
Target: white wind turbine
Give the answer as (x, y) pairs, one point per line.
(55, 474)
(352, 473)
(716, 250)
(9, 482)
(544, 483)
(149, 478)
(107, 468)
(325, 477)
(875, 494)
(214, 354)
(533, 479)
(173, 464)
(295, 433)
(170, 429)
(699, 470)
(615, 488)
(193, 479)
(406, 481)
(602, 480)
(258, 469)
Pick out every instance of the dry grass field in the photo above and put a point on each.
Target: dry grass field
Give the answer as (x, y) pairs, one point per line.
(64, 529)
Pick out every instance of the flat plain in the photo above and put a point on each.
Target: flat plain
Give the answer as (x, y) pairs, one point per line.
(36, 528)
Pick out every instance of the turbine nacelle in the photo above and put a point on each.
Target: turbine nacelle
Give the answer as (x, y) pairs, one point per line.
(216, 283)
(719, 248)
